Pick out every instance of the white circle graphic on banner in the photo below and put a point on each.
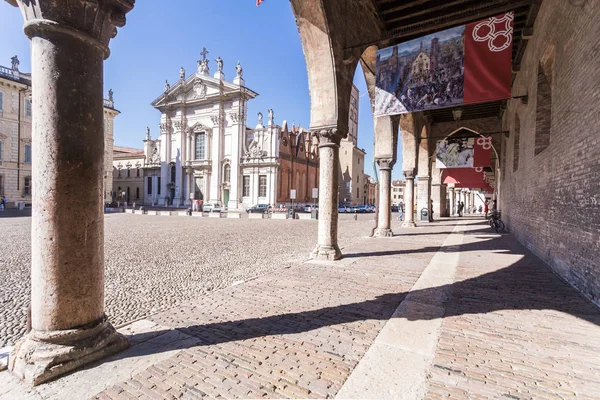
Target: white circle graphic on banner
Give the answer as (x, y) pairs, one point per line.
(494, 28)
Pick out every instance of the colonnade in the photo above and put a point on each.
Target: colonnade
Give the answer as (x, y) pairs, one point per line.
(69, 45)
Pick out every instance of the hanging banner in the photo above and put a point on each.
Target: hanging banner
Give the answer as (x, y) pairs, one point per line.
(482, 152)
(463, 65)
(454, 153)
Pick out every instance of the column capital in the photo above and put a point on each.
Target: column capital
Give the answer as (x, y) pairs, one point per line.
(328, 135)
(410, 174)
(93, 22)
(385, 163)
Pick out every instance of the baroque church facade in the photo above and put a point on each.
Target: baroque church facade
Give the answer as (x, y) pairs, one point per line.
(206, 152)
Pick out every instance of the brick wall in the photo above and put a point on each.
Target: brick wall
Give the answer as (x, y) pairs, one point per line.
(552, 201)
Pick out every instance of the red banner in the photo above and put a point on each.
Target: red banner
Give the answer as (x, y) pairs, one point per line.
(482, 152)
(488, 54)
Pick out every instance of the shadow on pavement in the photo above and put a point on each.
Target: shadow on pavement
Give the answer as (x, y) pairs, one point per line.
(527, 284)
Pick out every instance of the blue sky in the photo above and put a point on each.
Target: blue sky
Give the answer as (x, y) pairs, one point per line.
(159, 39)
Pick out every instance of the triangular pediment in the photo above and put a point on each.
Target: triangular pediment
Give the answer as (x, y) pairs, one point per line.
(198, 88)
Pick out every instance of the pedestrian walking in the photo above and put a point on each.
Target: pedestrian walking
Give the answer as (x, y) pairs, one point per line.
(461, 207)
(486, 208)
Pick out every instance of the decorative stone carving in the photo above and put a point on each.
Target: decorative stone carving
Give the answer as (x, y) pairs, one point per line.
(147, 133)
(110, 95)
(215, 120)
(409, 174)
(238, 69)
(180, 125)
(235, 118)
(385, 163)
(254, 151)
(328, 135)
(167, 86)
(219, 61)
(94, 22)
(155, 158)
(199, 89)
(182, 73)
(260, 118)
(164, 128)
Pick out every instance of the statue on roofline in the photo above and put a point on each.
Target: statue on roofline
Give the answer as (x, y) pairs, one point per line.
(239, 70)
(182, 73)
(14, 61)
(219, 61)
(167, 86)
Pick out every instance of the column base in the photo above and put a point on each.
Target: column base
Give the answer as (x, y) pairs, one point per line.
(384, 233)
(41, 356)
(409, 224)
(326, 253)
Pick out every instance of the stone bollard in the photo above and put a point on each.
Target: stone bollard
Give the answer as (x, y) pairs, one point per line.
(355, 216)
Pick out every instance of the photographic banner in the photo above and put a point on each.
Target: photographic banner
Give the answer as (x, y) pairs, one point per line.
(463, 152)
(462, 65)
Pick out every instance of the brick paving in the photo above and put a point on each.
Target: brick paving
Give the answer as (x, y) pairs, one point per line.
(513, 329)
(295, 333)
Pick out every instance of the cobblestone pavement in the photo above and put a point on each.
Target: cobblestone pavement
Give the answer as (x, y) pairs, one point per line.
(514, 330)
(156, 262)
(511, 328)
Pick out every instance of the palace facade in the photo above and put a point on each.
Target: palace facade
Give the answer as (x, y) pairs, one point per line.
(16, 151)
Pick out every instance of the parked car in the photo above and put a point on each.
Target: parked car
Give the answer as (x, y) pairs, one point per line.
(394, 208)
(372, 209)
(310, 207)
(259, 208)
(212, 207)
(362, 209)
(341, 209)
(351, 209)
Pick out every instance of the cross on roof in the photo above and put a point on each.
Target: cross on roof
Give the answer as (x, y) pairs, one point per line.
(204, 53)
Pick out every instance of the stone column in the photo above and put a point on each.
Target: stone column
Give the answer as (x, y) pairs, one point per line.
(329, 161)
(385, 186)
(409, 200)
(69, 327)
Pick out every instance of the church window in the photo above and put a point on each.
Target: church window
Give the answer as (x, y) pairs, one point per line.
(1, 185)
(357, 192)
(516, 147)
(1, 149)
(200, 146)
(27, 186)
(28, 108)
(119, 173)
(149, 185)
(137, 173)
(543, 113)
(1, 101)
(227, 174)
(27, 153)
(246, 188)
(128, 173)
(137, 192)
(158, 185)
(173, 174)
(262, 186)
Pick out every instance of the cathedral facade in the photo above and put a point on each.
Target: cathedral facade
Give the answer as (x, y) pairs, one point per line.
(207, 152)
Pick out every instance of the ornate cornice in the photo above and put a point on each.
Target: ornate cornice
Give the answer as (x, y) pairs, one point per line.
(91, 21)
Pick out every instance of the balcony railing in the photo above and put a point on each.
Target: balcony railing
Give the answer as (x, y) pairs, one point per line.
(109, 103)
